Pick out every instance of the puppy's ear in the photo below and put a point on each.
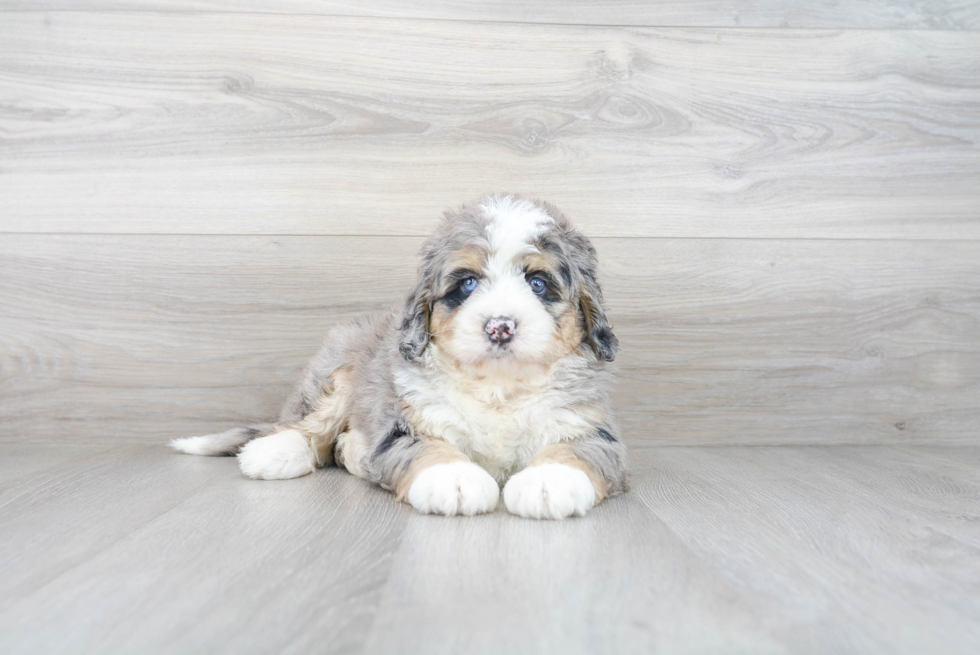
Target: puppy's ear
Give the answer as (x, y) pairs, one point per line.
(414, 328)
(598, 332)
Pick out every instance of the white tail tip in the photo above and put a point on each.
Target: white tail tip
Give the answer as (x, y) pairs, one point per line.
(195, 446)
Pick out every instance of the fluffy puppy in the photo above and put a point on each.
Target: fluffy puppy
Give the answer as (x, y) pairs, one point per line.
(494, 372)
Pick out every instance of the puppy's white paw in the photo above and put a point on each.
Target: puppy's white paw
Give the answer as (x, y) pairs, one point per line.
(279, 456)
(549, 491)
(456, 488)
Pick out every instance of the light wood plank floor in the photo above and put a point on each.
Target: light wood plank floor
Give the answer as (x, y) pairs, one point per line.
(831, 549)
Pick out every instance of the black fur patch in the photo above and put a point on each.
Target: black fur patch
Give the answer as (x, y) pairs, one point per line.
(605, 434)
(398, 431)
(608, 344)
(551, 293)
(553, 246)
(457, 296)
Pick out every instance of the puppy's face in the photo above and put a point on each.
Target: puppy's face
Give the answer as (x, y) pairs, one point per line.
(505, 285)
(505, 303)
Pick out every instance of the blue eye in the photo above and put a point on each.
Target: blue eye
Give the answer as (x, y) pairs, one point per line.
(538, 285)
(469, 284)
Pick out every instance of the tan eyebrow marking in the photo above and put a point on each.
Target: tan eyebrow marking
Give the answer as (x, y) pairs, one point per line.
(471, 258)
(544, 262)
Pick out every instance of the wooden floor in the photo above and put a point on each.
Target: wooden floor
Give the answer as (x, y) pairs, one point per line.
(831, 549)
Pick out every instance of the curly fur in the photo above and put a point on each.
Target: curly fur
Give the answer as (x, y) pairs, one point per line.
(420, 401)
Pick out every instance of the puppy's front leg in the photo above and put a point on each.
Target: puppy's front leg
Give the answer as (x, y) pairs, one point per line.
(568, 478)
(434, 477)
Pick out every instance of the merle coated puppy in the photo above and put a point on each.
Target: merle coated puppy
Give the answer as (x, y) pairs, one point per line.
(494, 372)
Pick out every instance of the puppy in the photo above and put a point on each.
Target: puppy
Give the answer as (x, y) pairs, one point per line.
(493, 373)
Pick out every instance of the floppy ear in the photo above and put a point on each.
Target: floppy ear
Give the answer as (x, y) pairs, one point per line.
(598, 332)
(414, 326)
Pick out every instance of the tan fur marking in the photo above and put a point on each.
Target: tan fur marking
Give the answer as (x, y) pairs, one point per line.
(562, 453)
(441, 325)
(568, 338)
(470, 257)
(350, 452)
(434, 451)
(570, 331)
(329, 416)
(540, 261)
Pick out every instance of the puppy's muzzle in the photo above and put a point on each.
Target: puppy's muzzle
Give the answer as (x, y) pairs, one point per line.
(500, 329)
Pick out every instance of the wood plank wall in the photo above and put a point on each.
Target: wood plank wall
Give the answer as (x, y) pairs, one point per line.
(785, 198)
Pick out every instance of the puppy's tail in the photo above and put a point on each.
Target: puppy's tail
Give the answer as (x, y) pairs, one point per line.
(228, 442)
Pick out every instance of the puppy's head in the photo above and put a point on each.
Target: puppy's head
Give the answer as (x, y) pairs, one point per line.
(506, 283)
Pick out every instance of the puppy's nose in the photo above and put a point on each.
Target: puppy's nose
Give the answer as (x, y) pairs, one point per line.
(500, 329)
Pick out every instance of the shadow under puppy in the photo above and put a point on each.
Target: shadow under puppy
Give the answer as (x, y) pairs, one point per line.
(494, 373)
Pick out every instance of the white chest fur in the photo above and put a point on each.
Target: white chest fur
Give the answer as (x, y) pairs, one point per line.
(500, 423)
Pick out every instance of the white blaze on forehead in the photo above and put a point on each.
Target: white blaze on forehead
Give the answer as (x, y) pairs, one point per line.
(515, 223)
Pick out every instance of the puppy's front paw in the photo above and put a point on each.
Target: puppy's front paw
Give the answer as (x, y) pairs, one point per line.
(549, 491)
(455, 488)
(279, 456)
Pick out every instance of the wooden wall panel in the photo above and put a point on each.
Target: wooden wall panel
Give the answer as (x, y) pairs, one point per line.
(276, 124)
(137, 338)
(917, 14)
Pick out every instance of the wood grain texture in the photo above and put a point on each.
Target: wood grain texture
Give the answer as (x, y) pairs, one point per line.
(145, 549)
(894, 14)
(135, 338)
(737, 550)
(834, 535)
(87, 489)
(252, 124)
(805, 550)
(618, 582)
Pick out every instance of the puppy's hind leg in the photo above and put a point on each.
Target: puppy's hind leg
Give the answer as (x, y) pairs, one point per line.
(299, 448)
(228, 442)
